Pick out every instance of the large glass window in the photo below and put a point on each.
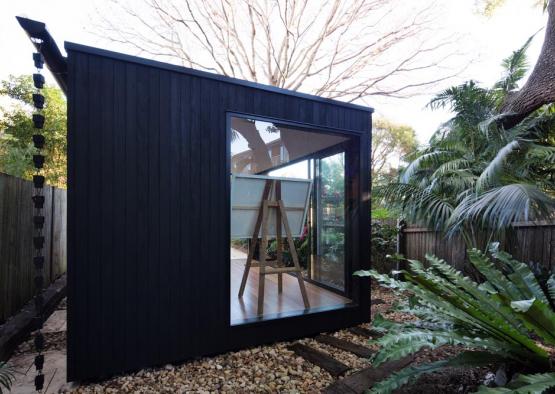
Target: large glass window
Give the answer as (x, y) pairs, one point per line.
(289, 161)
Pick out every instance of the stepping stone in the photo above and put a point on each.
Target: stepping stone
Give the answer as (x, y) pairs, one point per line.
(321, 359)
(343, 344)
(364, 332)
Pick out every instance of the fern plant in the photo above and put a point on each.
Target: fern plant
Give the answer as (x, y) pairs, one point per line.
(7, 377)
(507, 318)
(524, 384)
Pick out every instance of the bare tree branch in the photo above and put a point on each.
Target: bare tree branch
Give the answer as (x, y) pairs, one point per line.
(340, 49)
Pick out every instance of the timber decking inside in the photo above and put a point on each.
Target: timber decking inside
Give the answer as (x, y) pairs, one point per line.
(289, 301)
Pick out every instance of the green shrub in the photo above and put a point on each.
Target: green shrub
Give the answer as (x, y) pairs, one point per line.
(508, 318)
(384, 244)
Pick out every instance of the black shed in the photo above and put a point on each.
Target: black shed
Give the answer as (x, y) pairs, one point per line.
(153, 266)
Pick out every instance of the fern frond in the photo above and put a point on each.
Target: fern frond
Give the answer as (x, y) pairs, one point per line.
(551, 288)
(522, 276)
(523, 384)
(7, 377)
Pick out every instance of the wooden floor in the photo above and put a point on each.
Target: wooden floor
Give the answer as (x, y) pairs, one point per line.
(289, 301)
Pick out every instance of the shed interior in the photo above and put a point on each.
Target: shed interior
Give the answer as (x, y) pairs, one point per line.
(260, 146)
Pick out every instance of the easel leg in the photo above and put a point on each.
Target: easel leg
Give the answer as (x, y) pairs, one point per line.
(279, 246)
(248, 266)
(254, 238)
(293, 252)
(263, 256)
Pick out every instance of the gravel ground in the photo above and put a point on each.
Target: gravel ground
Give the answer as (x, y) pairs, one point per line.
(261, 369)
(272, 368)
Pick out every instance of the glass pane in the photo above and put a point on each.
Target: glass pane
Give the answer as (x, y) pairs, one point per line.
(265, 155)
(258, 147)
(329, 261)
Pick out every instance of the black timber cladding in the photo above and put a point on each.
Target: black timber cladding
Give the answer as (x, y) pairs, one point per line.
(148, 211)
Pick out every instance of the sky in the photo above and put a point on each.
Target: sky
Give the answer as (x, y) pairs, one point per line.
(485, 41)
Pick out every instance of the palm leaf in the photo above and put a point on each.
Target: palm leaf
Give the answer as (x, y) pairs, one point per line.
(420, 204)
(490, 176)
(515, 68)
(450, 167)
(433, 158)
(501, 206)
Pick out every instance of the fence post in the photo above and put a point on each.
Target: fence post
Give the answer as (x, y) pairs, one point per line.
(401, 245)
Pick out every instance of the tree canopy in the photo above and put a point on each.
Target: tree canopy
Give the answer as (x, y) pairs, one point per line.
(475, 174)
(16, 130)
(391, 142)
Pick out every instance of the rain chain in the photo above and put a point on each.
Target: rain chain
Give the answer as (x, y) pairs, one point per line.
(38, 218)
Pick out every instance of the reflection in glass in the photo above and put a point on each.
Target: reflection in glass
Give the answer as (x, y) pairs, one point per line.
(329, 262)
(265, 148)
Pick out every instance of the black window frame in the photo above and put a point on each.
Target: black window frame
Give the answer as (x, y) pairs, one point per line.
(352, 235)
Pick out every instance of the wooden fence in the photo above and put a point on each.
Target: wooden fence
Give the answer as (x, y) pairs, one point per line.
(530, 242)
(16, 241)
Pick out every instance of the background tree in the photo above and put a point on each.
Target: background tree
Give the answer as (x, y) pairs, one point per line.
(338, 49)
(390, 143)
(16, 130)
(539, 88)
(475, 175)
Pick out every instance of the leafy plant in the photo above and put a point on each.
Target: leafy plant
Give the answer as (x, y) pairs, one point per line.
(475, 176)
(384, 244)
(507, 319)
(524, 384)
(16, 130)
(7, 376)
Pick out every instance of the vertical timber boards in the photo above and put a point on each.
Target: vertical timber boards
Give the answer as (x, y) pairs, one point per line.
(148, 213)
(16, 240)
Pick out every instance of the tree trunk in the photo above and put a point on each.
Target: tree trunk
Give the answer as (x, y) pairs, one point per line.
(261, 157)
(540, 87)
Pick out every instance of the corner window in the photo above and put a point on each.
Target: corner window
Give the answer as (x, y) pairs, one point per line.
(306, 170)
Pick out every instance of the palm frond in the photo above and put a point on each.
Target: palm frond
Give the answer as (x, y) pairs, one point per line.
(490, 176)
(418, 203)
(450, 167)
(541, 153)
(501, 206)
(515, 67)
(433, 159)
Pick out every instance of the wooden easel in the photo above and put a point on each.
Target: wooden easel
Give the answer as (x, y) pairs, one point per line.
(265, 269)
